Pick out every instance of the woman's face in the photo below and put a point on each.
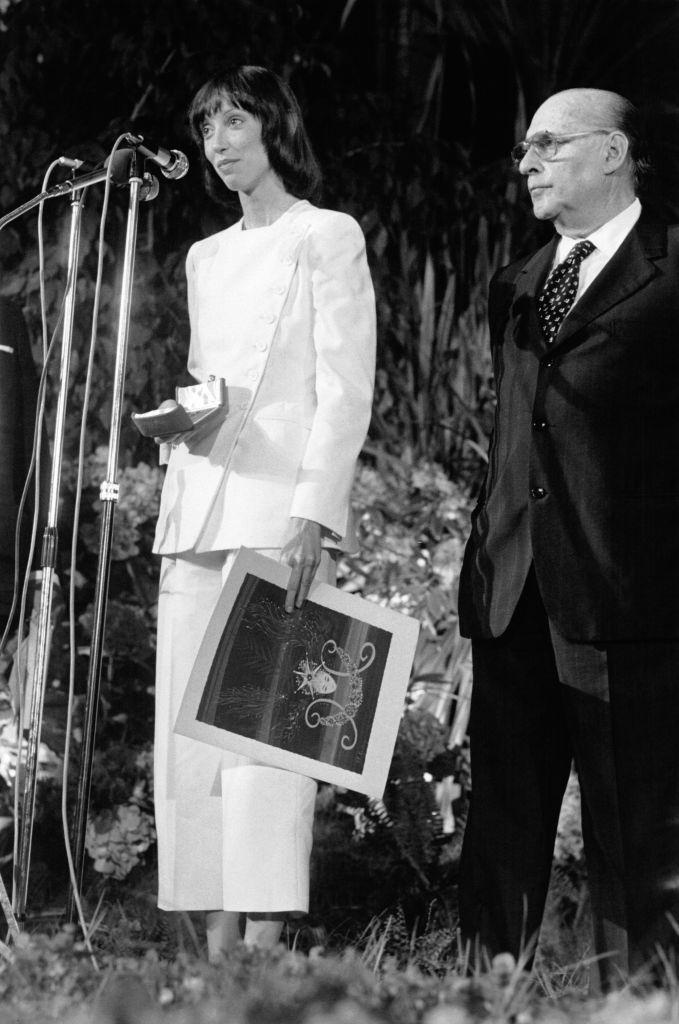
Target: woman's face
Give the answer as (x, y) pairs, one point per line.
(232, 140)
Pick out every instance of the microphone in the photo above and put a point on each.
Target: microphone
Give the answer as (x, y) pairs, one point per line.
(69, 161)
(172, 162)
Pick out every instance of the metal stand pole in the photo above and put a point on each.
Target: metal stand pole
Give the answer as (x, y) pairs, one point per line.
(48, 563)
(142, 187)
(73, 185)
(109, 497)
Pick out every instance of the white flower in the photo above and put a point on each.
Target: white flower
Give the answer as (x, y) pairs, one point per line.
(117, 839)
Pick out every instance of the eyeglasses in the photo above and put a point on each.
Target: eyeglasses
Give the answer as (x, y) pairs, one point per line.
(546, 145)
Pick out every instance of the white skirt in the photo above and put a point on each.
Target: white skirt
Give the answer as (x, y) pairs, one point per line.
(232, 834)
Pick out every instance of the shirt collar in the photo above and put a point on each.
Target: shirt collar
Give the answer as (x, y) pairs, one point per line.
(608, 237)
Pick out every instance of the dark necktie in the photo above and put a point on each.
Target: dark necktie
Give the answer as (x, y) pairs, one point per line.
(558, 295)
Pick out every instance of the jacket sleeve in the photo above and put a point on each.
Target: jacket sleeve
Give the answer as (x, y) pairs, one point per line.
(344, 336)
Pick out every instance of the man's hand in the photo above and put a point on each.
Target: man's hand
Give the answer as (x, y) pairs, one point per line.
(303, 554)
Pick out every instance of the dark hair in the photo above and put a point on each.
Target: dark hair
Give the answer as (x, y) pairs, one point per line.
(268, 98)
(628, 119)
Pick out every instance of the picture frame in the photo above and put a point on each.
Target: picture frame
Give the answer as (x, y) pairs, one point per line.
(319, 691)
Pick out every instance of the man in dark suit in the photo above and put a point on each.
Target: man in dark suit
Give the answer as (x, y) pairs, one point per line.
(570, 583)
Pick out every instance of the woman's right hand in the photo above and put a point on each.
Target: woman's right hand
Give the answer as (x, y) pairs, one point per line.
(197, 433)
(178, 436)
(183, 435)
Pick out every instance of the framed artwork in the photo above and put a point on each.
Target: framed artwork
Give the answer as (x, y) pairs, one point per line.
(319, 691)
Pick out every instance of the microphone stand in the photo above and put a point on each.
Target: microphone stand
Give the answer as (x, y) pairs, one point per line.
(62, 189)
(108, 494)
(48, 559)
(142, 187)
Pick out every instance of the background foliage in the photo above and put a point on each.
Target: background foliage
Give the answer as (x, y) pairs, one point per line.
(412, 106)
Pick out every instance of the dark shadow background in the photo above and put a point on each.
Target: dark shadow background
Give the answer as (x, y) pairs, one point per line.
(389, 87)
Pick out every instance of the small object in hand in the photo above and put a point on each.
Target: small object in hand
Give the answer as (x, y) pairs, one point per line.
(168, 418)
(197, 404)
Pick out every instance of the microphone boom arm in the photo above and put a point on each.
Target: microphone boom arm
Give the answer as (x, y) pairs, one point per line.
(173, 165)
(62, 189)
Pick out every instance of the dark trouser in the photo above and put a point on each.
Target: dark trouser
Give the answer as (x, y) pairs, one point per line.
(539, 701)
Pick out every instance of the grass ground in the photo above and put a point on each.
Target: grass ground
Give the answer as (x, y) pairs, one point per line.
(54, 978)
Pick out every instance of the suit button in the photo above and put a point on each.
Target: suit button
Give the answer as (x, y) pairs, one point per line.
(268, 318)
(278, 289)
(549, 362)
(539, 424)
(538, 492)
(261, 346)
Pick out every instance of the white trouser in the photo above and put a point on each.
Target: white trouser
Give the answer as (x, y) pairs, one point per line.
(232, 834)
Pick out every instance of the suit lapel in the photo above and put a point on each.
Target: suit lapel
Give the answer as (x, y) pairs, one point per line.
(529, 283)
(532, 275)
(628, 270)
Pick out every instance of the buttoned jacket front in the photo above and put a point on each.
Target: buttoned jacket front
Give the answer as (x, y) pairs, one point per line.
(286, 315)
(583, 468)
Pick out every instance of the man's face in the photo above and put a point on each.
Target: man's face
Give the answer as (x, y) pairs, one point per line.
(570, 187)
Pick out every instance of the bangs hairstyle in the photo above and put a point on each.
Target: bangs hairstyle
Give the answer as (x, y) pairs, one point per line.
(267, 97)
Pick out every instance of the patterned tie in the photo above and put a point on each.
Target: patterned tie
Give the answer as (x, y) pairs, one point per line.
(558, 295)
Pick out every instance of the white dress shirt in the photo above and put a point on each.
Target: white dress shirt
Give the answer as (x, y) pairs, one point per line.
(607, 240)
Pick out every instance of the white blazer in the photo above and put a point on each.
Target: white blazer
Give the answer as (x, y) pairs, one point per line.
(286, 315)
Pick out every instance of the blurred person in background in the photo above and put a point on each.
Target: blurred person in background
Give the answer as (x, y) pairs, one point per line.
(18, 398)
(18, 409)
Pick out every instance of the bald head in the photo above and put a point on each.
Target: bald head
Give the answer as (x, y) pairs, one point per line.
(590, 176)
(587, 108)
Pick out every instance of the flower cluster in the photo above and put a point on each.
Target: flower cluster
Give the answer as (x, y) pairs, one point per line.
(414, 522)
(138, 503)
(116, 839)
(413, 525)
(127, 629)
(423, 733)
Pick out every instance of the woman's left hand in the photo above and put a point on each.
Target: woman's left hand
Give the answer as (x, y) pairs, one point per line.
(303, 554)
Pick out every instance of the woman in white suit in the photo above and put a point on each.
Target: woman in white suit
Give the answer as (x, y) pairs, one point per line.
(282, 307)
